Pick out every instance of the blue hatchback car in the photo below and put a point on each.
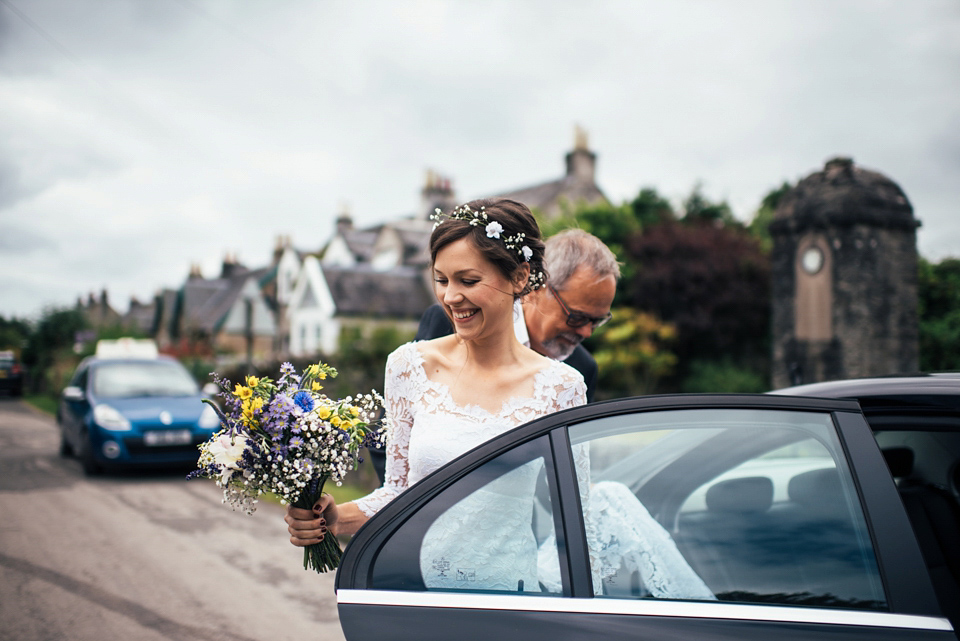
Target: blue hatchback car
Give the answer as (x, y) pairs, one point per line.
(133, 407)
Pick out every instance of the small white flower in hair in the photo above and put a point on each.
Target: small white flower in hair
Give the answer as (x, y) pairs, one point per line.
(494, 229)
(527, 253)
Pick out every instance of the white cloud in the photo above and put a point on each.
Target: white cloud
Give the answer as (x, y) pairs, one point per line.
(139, 137)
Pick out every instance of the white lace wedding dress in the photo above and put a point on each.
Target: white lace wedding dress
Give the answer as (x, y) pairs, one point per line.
(485, 542)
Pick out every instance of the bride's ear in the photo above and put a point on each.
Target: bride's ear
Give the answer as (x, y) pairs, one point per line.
(520, 278)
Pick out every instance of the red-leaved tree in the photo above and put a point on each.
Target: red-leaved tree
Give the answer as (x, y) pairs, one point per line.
(712, 282)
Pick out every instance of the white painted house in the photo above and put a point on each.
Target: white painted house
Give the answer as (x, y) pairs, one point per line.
(313, 328)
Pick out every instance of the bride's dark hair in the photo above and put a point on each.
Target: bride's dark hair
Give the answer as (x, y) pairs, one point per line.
(515, 218)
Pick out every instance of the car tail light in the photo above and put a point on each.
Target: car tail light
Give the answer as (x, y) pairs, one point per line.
(15, 370)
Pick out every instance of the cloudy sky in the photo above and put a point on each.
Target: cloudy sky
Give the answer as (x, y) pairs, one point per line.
(140, 136)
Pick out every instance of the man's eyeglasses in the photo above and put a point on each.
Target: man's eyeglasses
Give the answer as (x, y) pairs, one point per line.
(579, 319)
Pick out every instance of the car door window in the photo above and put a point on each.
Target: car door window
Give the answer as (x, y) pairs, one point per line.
(80, 378)
(491, 531)
(750, 506)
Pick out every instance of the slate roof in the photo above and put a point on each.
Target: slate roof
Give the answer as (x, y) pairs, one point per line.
(206, 303)
(361, 241)
(363, 291)
(415, 236)
(141, 316)
(546, 194)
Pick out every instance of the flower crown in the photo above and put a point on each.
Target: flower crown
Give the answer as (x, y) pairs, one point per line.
(494, 230)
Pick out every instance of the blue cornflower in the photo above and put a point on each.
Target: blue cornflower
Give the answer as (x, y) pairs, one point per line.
(303, 400)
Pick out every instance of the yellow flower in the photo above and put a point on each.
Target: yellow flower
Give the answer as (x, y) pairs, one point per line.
(253, 381)
(316, 387)
(335, 421)
(256, 404)
(242, 392)
(322, 376)
(323, 413)
(354, 411)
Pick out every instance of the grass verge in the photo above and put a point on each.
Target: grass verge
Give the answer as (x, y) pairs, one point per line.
(43, 403)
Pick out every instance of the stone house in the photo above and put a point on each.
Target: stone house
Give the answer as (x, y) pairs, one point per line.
(98, 312)
(228, 315)
(577, 186)
(330, 298)
(300, 302)
(381, 273)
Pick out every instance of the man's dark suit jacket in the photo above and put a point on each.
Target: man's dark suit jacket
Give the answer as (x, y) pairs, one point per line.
(434, 324)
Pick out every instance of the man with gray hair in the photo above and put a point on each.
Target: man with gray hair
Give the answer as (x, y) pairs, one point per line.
(582, 277)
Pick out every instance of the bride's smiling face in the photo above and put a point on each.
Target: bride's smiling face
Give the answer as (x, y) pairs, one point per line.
(474, 292)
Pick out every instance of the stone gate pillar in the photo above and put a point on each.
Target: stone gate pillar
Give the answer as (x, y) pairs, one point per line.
(844, 268)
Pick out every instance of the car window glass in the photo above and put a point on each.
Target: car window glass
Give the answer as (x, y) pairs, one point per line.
(751, 506)
(490, 531)
(130, 380)
(925, 463)
(80, 378)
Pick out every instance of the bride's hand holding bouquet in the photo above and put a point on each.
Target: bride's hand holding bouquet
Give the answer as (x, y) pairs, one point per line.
(287, 438)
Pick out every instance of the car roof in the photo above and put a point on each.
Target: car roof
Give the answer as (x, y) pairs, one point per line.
(94, 361)
(893, 400)
(940, 384)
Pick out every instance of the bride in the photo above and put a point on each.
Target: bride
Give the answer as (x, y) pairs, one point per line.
(448, 395)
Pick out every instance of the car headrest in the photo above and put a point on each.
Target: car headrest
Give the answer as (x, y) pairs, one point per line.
(743, 495)
(899, 460)
(818, 489)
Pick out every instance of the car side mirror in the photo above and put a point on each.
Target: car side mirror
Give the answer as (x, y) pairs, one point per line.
(72, 393)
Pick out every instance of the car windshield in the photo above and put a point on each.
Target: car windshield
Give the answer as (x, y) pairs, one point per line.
(148, 378)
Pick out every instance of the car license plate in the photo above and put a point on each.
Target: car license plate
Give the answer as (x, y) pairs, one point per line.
(166, 437)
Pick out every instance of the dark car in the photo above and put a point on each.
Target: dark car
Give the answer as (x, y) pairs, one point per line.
(675, 517)
(126, 410)
(11, 373)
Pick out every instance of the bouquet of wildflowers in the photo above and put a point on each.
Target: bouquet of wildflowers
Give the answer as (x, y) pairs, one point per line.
(287, 438)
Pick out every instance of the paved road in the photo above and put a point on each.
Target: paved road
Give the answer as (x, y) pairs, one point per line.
(149, 558)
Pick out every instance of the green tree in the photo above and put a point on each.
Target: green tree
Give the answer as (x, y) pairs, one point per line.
(362, 357)
(14, 333)
(49, 354)
(723, 376)
(650, 208)
(939, 313)
(633, 353)
(615, 225)
(697, 208)
(759, 227)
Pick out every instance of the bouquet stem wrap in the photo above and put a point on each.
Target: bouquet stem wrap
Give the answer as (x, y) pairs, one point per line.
(323, 556)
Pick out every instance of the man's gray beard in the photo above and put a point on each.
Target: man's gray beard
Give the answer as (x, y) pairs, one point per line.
(560, 350)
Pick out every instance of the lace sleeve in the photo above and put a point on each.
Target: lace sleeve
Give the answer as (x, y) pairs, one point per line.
(397, 391)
